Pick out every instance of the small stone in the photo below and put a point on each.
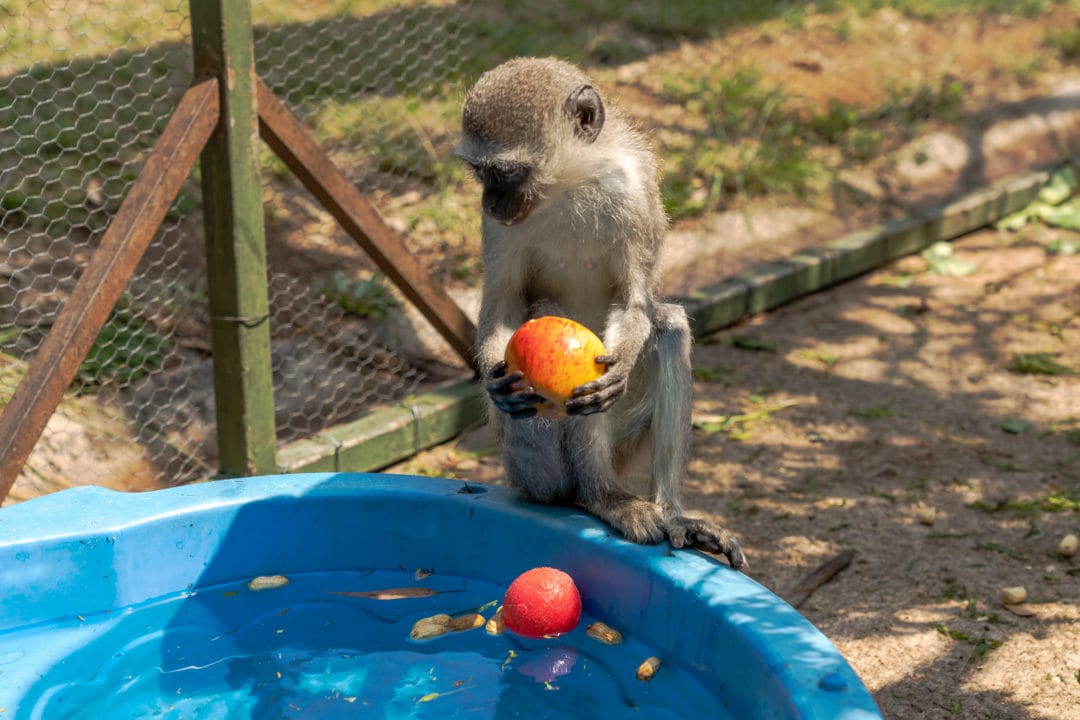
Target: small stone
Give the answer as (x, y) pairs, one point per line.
(1068, 546)
(1013, 595)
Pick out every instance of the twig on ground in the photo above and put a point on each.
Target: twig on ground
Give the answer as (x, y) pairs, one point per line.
(821, 575)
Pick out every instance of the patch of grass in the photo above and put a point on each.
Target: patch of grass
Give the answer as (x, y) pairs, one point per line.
(1038, 364)
(752, 143)
(126, 349)
(1059, 500)
(825, 358)
(721, 374)
(910, 105)
(873, 413)
(366, 298)
(750, 342)
(760, 141)
(953, 590)
(399, 135)
(998, 548)
(1069, 428)
(738, 427)
(950, 633)
(741, 506)
(1066, 43)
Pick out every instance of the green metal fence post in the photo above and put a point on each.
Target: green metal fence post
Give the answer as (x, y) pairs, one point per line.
(235, 242)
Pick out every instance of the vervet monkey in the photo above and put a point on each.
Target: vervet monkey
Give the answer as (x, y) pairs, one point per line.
(572, 226)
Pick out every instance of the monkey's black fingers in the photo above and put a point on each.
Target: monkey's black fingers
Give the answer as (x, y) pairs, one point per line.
(499, 369)
(519, 404)
(590, 398)
(607, 360)
(702, 535)
(503, 384)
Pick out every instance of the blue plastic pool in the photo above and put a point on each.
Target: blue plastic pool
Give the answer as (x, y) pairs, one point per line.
(122, 606)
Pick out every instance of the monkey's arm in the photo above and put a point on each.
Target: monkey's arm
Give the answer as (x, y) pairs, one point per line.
(627, 330)
(501, 312)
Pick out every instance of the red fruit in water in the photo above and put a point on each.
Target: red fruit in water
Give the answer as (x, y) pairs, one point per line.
(542, 602)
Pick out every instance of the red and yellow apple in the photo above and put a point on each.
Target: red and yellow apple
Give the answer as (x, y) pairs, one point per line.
(555, 355)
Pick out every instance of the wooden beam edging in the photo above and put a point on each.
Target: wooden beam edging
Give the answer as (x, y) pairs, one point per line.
(389, 435)
(142, 211)
(289, 140)
(392, 434)
(770, 285)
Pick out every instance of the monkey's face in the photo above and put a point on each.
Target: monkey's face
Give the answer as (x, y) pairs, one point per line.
(506, 198)
(522, 122)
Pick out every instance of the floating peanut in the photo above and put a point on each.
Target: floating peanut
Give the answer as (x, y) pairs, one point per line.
(604, 633)
(467, 621)
(267, 582)
(495, 625)
(430, 627)
(648, 668)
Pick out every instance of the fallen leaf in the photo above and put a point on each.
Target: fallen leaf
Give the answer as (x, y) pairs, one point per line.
(1015, 425)
(942, 260)
(1063, 247)
(749, 342)
(400, 593)
(1060, 188)
(1039, 364)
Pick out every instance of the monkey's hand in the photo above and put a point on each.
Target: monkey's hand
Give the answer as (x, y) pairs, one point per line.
(511, 395)
(706, 536)
(600, 394)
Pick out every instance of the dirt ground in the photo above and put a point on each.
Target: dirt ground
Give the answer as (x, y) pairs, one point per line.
(881, 416)
(885, 406)
(884, 416)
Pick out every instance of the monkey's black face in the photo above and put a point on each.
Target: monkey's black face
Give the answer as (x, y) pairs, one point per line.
(506, 197)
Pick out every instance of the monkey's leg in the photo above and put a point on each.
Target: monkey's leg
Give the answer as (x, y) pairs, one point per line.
(671, 389)
(533, 459)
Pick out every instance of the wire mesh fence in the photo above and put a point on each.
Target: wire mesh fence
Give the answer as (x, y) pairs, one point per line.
(86, 87)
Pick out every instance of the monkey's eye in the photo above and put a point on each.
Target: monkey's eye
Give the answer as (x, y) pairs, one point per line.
(515, 175)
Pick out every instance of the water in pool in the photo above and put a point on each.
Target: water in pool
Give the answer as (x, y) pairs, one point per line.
(310, 649)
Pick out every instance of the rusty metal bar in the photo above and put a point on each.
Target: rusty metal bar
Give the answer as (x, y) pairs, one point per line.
(54, 365)
(288, 138)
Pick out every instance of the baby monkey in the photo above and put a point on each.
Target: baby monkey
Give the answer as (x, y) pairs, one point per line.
(572, 226)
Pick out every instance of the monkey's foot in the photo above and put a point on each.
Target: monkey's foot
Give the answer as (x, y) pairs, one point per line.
(703, 535)
(638, 520)
(646, 523)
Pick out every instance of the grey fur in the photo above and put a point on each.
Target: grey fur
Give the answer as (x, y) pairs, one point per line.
(585, 246)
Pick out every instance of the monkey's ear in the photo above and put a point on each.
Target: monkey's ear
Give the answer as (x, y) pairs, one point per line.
(586, 110)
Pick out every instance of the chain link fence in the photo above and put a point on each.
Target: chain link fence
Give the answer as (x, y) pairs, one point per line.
(86, 86)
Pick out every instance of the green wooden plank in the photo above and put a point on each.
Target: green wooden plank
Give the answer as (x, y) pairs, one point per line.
(314, 454)
(235, 243)
(392, 435)
(908, 235)
(716, 306)
(858, 252)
